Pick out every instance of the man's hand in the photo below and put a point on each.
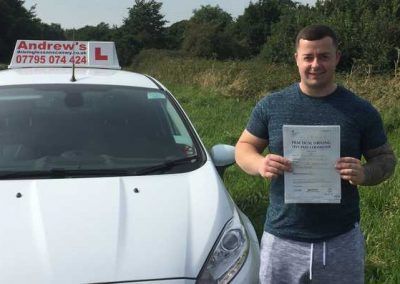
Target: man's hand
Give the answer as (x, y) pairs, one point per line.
(273, 165)
(351, 169)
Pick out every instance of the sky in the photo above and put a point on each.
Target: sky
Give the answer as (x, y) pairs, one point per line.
(79, 13)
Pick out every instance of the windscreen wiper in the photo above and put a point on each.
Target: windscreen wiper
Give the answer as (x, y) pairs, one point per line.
(166, 165)
(32, 174)
(67, 173)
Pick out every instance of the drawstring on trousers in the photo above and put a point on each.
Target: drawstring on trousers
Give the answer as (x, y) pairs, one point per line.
(311, 257)
(323, 256)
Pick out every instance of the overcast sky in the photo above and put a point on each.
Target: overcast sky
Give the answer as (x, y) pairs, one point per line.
(79, 13)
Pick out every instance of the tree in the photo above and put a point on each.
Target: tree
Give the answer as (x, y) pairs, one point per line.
(254, 27)
(368, 31)
(143, 28)
(208, 35)
(52, 31)
(101, 32)
(127, 46)
(280, 46)
(214, 16)
(146, 23)
(175, 34)
(16, 22)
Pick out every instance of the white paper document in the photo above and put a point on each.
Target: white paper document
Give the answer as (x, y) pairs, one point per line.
(313, 151)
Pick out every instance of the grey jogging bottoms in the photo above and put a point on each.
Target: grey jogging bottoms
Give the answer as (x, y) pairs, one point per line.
(337, 260)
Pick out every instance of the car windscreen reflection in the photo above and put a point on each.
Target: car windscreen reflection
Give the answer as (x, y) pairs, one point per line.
(77, 128)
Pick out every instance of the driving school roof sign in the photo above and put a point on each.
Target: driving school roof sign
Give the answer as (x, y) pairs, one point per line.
(47, 53)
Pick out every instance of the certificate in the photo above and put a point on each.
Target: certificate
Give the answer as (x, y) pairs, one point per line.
(313, 151)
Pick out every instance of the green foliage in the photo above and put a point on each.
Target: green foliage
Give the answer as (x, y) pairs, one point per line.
(15, 22)
(244, 79)
(52, 32)
(254, 26)
(280, 46)
(369, 31)
(143, 28)
(127, 47)
(175, 34)
(101, 32)
(207, 35)
(204, 40)
(146, 23)
(212, 15)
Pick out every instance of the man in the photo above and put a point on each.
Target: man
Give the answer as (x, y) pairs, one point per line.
(318, 242)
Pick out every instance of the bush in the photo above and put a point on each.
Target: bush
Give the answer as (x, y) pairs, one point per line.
(247, 79)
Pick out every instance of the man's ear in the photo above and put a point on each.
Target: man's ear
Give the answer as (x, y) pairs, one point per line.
(338, 56)
(295, 57)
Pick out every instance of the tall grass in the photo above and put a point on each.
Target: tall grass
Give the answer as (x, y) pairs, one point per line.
(247, 79)
(204, 88)
(254, 78)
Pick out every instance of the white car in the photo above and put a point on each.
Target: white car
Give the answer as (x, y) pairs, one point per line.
(104, 180)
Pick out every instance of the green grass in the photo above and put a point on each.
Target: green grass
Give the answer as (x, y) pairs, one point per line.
(221, 119)
(253, 78)
(380, 215)
(245, 79)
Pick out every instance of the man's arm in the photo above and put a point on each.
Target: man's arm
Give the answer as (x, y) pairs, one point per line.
(248, 156)
(380, 165)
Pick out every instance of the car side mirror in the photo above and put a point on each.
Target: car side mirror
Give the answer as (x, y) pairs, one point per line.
(223, 156)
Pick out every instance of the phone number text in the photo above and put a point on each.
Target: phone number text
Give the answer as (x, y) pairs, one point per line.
(52, 59)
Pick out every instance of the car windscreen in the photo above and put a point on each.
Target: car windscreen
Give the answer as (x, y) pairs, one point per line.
(84, 130)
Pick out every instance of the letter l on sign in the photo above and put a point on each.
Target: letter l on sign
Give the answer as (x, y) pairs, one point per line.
(102, 54)
(98, 55)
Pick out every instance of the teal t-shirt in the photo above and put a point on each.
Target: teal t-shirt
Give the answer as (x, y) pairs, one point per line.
(361, 129)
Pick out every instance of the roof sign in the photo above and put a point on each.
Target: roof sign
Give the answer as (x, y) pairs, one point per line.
(48, 53)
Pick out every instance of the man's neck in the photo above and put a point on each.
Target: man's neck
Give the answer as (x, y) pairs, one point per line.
(318, 92)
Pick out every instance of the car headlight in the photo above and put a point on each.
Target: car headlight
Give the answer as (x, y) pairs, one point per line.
(228, 255)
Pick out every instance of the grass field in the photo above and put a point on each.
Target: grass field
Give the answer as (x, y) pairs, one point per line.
(219, 96)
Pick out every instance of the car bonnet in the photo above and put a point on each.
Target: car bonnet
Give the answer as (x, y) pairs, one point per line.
(90, 230)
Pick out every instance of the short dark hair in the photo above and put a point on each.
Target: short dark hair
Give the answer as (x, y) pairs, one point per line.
(316, 32)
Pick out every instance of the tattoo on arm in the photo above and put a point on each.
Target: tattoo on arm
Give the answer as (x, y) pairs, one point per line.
(380, 164)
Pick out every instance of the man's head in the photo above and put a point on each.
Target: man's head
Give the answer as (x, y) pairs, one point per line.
(316, 57)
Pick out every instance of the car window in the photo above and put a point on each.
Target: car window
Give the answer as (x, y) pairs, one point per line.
(91, 127)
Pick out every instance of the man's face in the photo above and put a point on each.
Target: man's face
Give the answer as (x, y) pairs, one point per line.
(317, 60)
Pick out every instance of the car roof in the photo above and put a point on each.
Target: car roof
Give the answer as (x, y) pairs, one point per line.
(27, 76)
